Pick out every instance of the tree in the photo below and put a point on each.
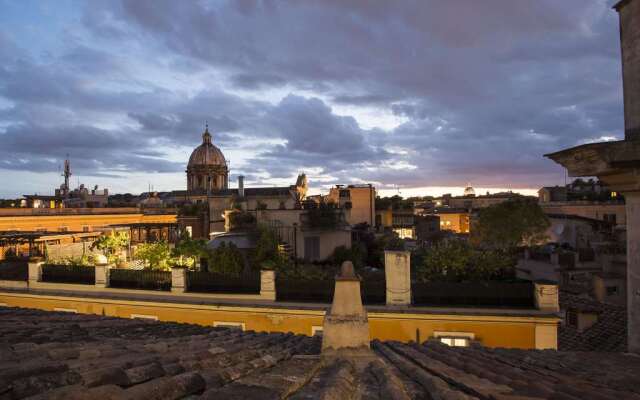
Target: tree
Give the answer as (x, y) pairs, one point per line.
(357, 254)
(267, 254)
(456, 260)
(508, 225)
(110, 244)
(188, 251)
(156, 255)
(227, 260)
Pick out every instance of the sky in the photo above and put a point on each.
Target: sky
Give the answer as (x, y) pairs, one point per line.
(416, 97)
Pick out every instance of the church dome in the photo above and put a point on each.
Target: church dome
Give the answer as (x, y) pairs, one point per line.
(206, 154)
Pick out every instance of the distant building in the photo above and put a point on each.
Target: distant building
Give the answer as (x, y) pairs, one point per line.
(455, 220)
(212, 208)
(471, 201)
(360, 200)
(64, 197)
(552, 193)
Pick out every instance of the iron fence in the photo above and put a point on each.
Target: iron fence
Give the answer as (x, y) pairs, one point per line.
(373, 291)
(60, 273)
(140, 279)
(14, 271)
(540, 256)
(209, 282)
(489, 294)
(304, 290)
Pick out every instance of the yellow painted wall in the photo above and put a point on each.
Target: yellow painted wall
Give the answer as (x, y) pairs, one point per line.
(75, 223)
(493, 331)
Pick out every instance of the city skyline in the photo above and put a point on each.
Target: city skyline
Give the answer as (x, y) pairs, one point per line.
(393, 96)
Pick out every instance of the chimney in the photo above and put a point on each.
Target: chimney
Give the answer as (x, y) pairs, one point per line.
(241, 186)
(346, 325)
(629, 13)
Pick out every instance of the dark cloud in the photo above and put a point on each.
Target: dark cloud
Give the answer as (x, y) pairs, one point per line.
(483, 89)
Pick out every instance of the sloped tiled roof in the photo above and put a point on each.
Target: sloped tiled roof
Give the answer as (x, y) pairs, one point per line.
(51, 355)
(608, 333)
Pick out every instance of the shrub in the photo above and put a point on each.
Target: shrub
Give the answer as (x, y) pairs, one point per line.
(155, 255)
(227, 260)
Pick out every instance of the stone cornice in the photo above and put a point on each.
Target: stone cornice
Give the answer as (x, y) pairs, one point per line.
(616, 163)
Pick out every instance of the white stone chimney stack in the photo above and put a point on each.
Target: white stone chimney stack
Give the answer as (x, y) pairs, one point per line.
(346, 325)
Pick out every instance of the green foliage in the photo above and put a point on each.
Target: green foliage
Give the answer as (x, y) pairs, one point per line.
(242, 220)
(324, 216)
(456, 261)
(192, 209)
(394, 203)
(357, 254)
(227, 260)
(84, 261)
(267, 254)
(510, 224)
(181, 261)
(156, 255)
(110, 244)
(189, 251)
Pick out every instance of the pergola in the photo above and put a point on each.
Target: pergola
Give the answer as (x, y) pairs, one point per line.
(142, 232)
(37, 241)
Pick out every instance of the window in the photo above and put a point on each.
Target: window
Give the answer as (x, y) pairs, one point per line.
(456, 339)
(86, 228)
(69, 310)
(312, 248)
(227, 324)
(189, 230)
(612, 290)
(144, 316)
(316, 331)
(63, 229)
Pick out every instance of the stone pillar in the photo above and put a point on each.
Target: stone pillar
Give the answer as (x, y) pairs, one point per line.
(178, 280)
(546, 296)
(397, 271)
(630, 48)
(346, 325)
(102, 275)
(268, 284)
(35, 269)
(633, 270)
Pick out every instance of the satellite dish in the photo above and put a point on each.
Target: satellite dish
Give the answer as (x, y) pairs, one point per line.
(558, 229)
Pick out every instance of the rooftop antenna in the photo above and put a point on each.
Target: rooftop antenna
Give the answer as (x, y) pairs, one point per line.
(66, 174)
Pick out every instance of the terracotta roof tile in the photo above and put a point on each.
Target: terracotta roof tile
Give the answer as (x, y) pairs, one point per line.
(50, 355)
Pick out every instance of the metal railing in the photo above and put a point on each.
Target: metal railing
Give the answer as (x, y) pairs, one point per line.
(485, 294)
(304, 290)
(140, 279)
(373, 291)
(208, 282)
(14, 271)
(84, 275)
